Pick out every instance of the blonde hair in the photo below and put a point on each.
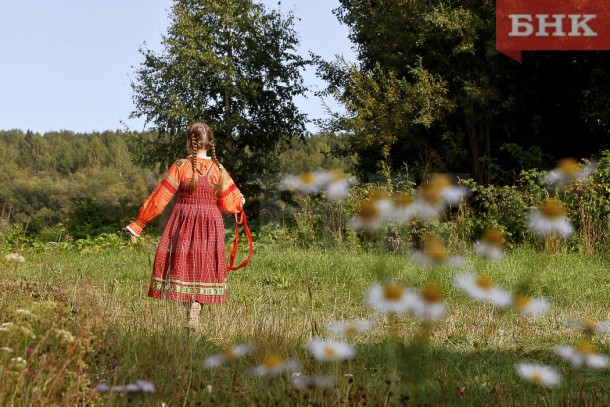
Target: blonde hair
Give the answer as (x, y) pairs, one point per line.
(201, 137)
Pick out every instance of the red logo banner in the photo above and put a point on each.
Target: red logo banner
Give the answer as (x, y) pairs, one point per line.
(536, 25)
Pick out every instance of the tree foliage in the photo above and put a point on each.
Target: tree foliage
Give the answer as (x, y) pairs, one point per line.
(233, 65)
(429, 89)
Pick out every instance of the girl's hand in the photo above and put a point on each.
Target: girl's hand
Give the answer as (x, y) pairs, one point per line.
(132, 237)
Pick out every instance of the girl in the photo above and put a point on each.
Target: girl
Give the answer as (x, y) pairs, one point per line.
(190, 263)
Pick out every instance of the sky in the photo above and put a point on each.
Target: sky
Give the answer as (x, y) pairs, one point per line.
(68, 64)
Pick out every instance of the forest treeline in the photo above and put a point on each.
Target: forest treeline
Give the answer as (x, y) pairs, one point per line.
(91, 184)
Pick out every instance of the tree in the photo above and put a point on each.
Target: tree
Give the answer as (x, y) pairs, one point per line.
(429, 89)
(233, 65)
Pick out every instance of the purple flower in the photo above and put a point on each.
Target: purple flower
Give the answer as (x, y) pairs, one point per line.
(29, 351)
(146, 387)
(102, 388)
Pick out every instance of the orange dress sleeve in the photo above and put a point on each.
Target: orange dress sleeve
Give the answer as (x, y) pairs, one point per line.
(159, 198)
(230, 199)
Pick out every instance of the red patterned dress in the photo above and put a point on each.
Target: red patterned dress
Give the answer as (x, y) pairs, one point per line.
(190, 263)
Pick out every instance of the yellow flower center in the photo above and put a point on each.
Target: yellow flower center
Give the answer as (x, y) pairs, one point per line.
(368, 210)
(308, 178)
(552, 208)
(435, 248)
(589, 325)
(568, 166)
(494, 236)
(536, 378)
(522, 301)
(229, 353)
(440, 181)
(330, 352)
(432, 294)
(484, 282)
(403, 199)
(393, 292)
(379, 194)
(272, 360)
(430, 193)
(351, 330)
(586, 348)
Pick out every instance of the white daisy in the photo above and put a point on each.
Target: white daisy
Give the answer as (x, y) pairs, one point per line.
(435, 253)
(22, 311)
(273, 365)
(543, 375)
(337, 186)
(391, 298)
(368, 217)
(228, 355)
(549, 220)
(589, 326)
(483, 289)
(430, 306)
(349, 328)
(331, 351)
(307, 183)
(316, 381)
(583, 355)
(490, 245)
(532, 306)
(568, 170)
(403, 207)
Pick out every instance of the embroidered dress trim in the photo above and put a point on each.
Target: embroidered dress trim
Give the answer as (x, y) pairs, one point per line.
(190, 288)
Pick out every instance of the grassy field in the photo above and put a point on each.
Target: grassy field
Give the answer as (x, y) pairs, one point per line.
(91, 322)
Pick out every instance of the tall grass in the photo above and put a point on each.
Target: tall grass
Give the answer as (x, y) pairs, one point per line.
(278, 303)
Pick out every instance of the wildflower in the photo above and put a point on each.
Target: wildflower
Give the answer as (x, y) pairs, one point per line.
(6, 349)
(228, 355)
(337, 187)
(490, 246)
(64, 336)
(431, 306)
(22, 311)
(589, 326)
(14, 257)
(368, 217)
(390, 298)
(543, 375)
(29, 351)
(549, 219)
(568, 170)
(208, 389)
(316, 381)
(145, 386)
(18, 362)
(483, 289)
(350, 327)
(331, 351)
(583, 354)
(102, 388)
(532, 306)
(403, 207)
(306, 183)
(31, 373)
(273, 365)
(436, 194)
(435, 253)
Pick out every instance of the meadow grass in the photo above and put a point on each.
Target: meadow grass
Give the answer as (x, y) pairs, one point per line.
(285, 297)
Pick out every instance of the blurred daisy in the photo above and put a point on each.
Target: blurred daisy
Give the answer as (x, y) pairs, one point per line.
(404, 207)
(431, 306)
(532, 306)
(316, 381)
(543, 375)
(273, 365)
(14, 257)
(568, 170)
(491, 244)
(434, 196)
(583, 355)
(331, 351)
(348, 328)
(483, 289)
(589, 326)
(226, 356)
(549, 219)
(306, 183)
(368, 217)
(390, 298)
(337, 186)
(435, 253)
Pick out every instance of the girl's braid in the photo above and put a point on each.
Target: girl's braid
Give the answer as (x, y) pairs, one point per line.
(218, 186)
(195, 146)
